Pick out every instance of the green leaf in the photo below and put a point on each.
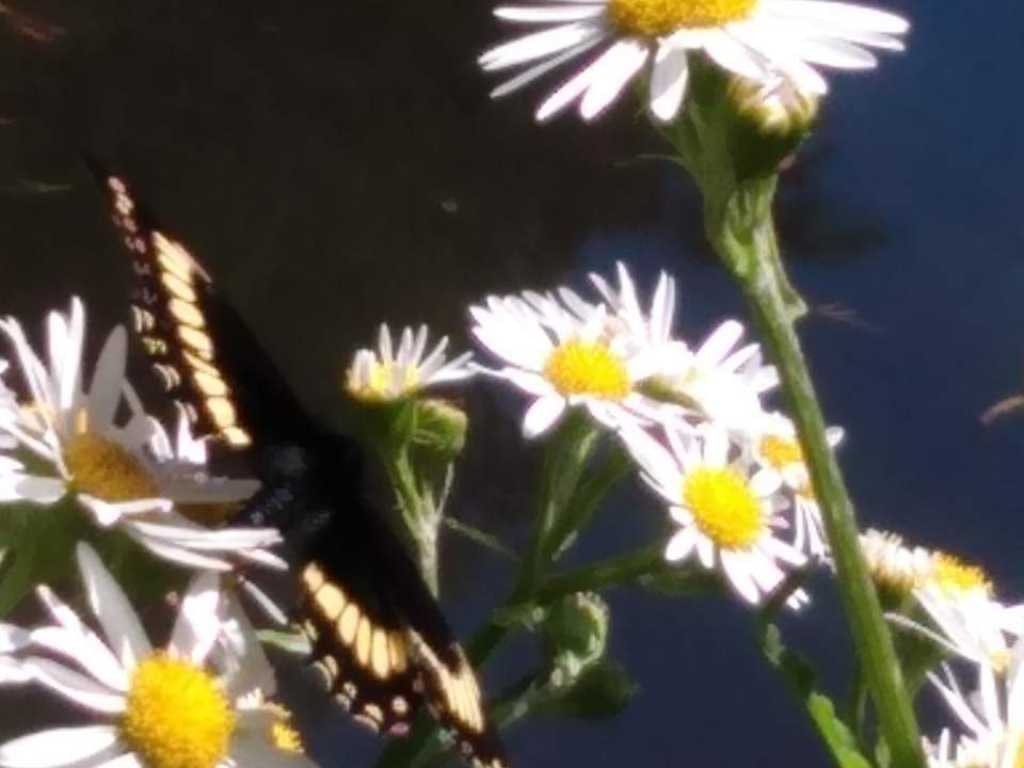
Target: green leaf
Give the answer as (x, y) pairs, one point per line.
(837, 735)
(801, 680)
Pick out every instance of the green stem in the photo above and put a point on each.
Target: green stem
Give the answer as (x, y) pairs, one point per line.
(421, 518)
(747, 244)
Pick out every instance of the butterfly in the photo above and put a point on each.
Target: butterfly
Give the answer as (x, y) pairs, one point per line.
(380, 642)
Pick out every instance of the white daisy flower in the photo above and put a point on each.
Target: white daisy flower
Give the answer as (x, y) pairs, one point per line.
(720, 383)
(641, 330)
(386, 374)
(992, 716)
(559, 352)
(968, 619)
(122, 472)
(726, 515)
(753, 38)
(775, 447)
(156, 708)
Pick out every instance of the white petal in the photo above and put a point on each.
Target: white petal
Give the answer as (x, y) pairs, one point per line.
(549, 14)
(732, 55)
(87, 650)
(110, 605)
(12, 638)
(845, 14)
(568, 92)
(74, 686)
(615, 69)
(681, 544)
(738, 574)
(57, 746)
(105, 389)
(39, 490)
(668, 82)
(539, 45)
(198, 622)
(542, 415)
(718, 344)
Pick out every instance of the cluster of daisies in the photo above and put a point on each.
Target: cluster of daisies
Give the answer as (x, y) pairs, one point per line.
(79, 435)
(775, 45)
(955, 605)
(729, 472)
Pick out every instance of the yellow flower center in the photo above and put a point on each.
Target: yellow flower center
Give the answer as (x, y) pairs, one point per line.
(104, 469)
(657, 18)
(954, 575)
(779, 453)
(286, 738)
(724, 507)
(176, 716)
(380, 384)
(587, 368)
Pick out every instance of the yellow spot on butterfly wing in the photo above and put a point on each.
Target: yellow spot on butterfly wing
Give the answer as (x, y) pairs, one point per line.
(197, 340)
(379, 654)
(187, 313)
(210, 386)
(348, 623)
(178, 288)
(221, 411)
(313, 577)
(363, 635)
(331, 600)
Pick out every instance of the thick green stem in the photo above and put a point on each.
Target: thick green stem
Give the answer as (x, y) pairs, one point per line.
(747, 244)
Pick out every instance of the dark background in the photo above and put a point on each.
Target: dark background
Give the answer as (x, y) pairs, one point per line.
(336, 164)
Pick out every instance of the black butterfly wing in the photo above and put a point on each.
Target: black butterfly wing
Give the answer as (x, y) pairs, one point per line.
(204, 354)
(381, 642)
(379, 638)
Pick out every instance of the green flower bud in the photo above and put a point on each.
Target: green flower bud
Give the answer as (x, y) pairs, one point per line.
(777, 109)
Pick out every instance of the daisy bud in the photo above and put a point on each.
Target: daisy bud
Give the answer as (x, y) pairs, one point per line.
(778, 108)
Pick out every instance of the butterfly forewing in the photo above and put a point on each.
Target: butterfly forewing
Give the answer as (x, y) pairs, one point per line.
(199, 346)
(380, 643)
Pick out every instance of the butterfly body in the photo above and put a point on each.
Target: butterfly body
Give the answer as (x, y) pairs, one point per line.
(380, 641)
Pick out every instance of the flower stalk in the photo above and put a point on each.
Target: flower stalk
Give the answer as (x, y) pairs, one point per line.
(738, 190)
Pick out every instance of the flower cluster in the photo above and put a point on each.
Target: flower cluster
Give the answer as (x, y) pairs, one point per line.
(693, 419)
(954, 604)
(78, 435)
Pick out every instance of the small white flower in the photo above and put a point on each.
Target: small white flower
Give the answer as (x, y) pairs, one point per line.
(775, 447)
(969, 619)
(756, 39)
(123, 473)
(726, 515)
(724, 385)
(558, 350)
(648, 331)
(387, 374)
(992, 716)
(156, 708)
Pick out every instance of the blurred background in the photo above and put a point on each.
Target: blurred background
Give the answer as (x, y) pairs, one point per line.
(340, 164)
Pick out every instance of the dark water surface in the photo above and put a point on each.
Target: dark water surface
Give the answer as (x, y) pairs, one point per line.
(338, 164)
